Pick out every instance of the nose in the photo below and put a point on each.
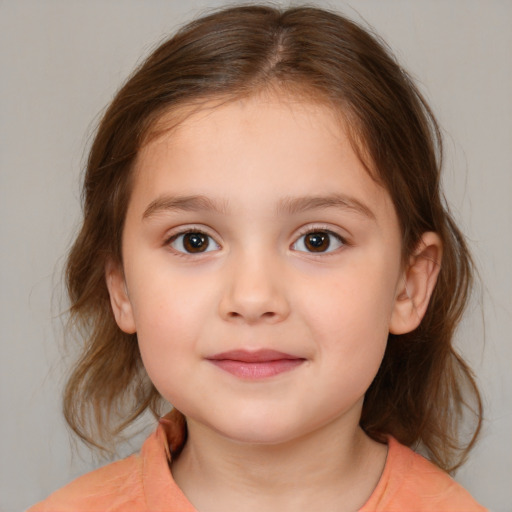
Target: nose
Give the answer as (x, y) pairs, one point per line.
(255, 292)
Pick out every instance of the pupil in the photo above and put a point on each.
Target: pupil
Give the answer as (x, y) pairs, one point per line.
(317, 242)
(195, 242)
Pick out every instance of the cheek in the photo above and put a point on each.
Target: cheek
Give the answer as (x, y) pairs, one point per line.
(168, 300)
(349, 317)
(171, 316)
(353, 342)
(354, 305)
(351, 346)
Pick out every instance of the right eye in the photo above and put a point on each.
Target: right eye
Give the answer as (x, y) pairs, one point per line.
(193, 242)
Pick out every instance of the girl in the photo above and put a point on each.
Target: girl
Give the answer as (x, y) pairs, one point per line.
(265, 247)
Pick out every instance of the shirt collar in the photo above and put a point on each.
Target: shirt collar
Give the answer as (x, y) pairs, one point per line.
(174, 427)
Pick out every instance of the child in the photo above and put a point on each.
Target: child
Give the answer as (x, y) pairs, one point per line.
(266, 248)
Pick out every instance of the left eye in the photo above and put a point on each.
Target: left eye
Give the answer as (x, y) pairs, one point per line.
(318, 241)
(193, 242)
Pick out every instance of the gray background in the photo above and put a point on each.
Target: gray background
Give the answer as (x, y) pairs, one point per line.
(60, 63)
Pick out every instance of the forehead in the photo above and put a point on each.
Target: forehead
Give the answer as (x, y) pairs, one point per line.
(300, 107)
(262, 146)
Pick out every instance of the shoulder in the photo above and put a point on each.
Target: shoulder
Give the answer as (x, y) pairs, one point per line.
(412, 483)
(139, 483)
(117, 486)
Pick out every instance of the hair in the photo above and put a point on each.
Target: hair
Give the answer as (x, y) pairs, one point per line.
(423, 387)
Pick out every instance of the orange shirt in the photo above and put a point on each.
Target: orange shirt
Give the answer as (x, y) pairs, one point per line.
(143, 483)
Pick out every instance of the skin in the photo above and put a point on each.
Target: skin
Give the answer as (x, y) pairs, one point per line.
(260, 166)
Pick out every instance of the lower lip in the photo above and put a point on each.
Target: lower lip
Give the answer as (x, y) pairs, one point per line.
(257, 370)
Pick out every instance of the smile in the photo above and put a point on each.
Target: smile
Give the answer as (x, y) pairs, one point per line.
(255, 365)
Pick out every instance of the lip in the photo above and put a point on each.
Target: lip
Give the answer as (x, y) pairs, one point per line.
(253, 365)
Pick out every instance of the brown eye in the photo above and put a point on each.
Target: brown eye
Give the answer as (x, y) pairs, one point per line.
(193, 242)
(318, 241)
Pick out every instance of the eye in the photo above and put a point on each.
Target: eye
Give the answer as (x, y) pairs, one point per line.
(193, 242)
(318, 241)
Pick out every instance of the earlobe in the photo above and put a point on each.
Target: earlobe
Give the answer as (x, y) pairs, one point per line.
(419, 280)
(119, 299)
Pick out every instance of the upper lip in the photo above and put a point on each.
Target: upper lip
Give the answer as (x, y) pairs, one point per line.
(257, 356)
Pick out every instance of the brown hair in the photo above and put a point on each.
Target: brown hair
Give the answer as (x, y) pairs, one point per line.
(420, 391)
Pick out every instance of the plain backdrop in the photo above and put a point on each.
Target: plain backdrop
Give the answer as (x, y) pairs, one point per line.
(61, 62)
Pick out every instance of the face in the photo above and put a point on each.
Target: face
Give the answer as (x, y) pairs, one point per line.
(262, 269)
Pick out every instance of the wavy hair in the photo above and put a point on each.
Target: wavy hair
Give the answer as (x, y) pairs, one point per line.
(423, 386)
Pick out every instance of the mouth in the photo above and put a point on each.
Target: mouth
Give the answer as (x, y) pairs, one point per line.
(255, 365)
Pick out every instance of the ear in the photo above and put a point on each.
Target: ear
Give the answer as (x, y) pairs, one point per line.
(119, 299)
(418, 283)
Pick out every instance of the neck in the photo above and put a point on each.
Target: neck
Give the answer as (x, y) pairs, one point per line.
(336, 468)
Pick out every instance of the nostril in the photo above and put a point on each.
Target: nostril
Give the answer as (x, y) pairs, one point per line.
(252, 318)
(252, 304)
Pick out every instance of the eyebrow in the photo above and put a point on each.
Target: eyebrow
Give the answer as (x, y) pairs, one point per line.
(287, 205)
(294, 205)
(183, 203)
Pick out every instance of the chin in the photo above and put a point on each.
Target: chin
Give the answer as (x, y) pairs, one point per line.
(260, 431)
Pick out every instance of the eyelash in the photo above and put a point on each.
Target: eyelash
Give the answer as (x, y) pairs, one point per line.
(309, 231)
(173, 238)
(324, 230)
